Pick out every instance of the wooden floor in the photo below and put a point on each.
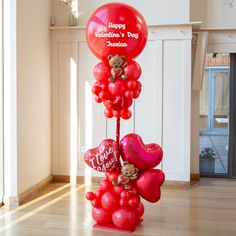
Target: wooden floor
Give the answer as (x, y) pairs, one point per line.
(205, 209)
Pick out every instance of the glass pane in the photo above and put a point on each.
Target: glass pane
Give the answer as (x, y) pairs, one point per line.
(221, 96)
(204, 103)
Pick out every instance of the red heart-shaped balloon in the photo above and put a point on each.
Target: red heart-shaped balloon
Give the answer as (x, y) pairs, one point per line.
(134, 151)
(103, 158)
(148, 184)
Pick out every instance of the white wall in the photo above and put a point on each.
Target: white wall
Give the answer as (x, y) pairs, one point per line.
(214, 13)
(154, 11)
(33, 92)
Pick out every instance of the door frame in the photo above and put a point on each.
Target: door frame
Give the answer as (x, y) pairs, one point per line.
(232, 117)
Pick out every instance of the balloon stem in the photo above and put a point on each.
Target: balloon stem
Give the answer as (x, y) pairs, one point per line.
(118, 131)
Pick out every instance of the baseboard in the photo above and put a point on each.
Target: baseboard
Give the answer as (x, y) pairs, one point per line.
(176, 184)
(195, 177)
(12, 201)
(29, 193)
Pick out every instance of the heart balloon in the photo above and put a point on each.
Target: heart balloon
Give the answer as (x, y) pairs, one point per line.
(103, 158)
(134, 151)
(148, 184)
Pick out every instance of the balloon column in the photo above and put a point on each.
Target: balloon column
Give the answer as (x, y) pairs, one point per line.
(117, 33)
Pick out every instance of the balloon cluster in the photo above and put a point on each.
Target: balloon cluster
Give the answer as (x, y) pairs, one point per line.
(116, 205)
(117, 200)
(116, 93)
(116, 42)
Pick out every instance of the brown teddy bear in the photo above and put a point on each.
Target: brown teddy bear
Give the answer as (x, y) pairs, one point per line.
(128, 172)
(117, 63)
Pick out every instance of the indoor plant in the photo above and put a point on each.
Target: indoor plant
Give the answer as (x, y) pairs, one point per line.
(207, 160)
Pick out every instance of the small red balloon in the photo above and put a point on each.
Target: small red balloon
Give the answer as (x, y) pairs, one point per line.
(133, 70)
(96, 202)
(124, 203)
(139, 211)
(97, 99)
(106, 185)
(108, 113)
(90, 196)
(113, 176)
(133, 202)
(131, 84)
(99, 193)
(126, 115)
(125, 195)
(101, 72)
(118, 189)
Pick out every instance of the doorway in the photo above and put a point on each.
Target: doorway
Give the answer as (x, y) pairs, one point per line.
(214, 116)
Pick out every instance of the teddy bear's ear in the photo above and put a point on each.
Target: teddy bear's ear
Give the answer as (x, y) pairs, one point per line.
(123, 57)
(109, 57)
(125, 163)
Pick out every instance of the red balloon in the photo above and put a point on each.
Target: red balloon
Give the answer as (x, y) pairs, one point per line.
(133, 70)
(139, 211)
(129, 94)
(110, 201)
(90, 196)
(124, 218)
(104, 95)
(101, 215)
(113, 176)
(118, 189)
(128, 102)
(116, 28)
(97, 99)
(117, 88)
(133, 202)
(99, 193)
(148, 184)
(96, 202)
(124, 203)
(134, 151)
(103, 158)
(138, 85)
(131, 84)
(105, 185)
(101, 72)
(116, 114)
(108, 113)
(126, 115)
(96, 89)
(125, 195)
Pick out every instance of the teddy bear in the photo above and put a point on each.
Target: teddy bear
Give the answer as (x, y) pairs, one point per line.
(128, 172)
(117, 64)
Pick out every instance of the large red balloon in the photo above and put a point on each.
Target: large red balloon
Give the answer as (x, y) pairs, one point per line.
(101, 215)
(134, 151)
(124, 218)
(116, 28)
(110, 201)
(103, 158)
(149, 183)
